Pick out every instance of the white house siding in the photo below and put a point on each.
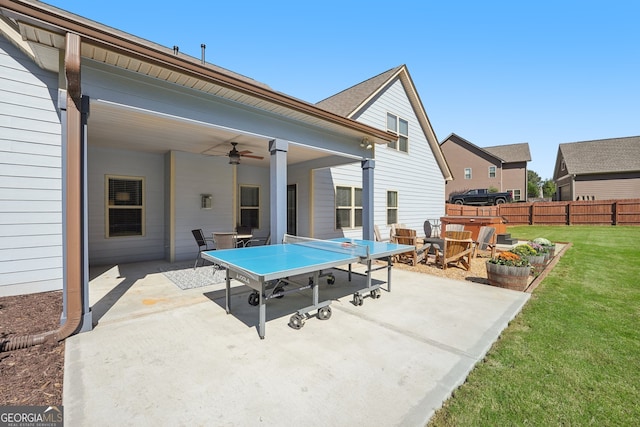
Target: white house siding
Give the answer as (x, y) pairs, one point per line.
(30, 176)
(103, 250)
(415, 176)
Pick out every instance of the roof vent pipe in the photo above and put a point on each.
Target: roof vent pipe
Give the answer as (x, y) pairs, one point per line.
(203, 46)
(176, 49)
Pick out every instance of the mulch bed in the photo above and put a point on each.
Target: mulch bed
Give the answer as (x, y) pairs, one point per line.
(32, 376)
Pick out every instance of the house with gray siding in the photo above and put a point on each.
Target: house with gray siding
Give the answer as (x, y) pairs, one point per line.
(601, 169)
(113, 148)
(410, 172)
(503, 167)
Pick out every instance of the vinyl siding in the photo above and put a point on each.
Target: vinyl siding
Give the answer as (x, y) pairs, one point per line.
(30, 176)
(414, 175)
(102, 250)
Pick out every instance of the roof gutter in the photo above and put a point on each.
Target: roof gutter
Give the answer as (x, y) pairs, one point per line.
(51, 17)
(73, 209)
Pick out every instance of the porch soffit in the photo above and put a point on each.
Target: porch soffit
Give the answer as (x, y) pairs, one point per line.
(46, 43)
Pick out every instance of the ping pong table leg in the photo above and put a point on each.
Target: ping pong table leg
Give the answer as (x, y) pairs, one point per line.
(263, 314)
(389, 265)
(228, 293)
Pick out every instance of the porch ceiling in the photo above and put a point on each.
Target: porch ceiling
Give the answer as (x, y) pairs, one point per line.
(111, 126)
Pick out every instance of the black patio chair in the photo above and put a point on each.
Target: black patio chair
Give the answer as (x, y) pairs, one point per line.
(203, 244)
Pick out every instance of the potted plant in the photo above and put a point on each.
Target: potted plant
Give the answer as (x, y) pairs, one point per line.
(533, 252)
(547, 245)
(509, 270)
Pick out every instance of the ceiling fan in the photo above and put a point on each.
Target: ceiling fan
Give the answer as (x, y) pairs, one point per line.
(234, 155)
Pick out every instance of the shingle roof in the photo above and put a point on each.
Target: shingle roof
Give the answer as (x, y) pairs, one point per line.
(602, 155)
(345, 102)
(511, 153)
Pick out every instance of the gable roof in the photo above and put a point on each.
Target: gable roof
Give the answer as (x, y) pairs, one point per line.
(509, 153)
(601, 156)
(351, 101)
(345, 103)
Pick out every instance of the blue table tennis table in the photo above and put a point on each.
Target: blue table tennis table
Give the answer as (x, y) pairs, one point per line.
(268, 269)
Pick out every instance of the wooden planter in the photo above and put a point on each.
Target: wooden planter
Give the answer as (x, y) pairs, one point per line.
(538, 262)
(504, 276)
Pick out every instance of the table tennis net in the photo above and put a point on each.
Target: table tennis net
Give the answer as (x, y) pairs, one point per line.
(345, 247)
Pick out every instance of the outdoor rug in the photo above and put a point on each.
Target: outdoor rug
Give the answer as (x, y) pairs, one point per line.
(185, 277)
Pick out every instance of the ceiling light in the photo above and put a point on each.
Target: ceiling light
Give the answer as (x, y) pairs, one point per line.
(234, 158)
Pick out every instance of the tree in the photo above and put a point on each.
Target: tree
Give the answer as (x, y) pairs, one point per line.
(534, 182)
(549, 188)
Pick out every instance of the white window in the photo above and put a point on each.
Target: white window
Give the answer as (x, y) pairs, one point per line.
(392, 207)
(515, 194)
(124, 205)
(401, 128)
(250, 206)
(492, 171)
(348, 207)
(467, 173)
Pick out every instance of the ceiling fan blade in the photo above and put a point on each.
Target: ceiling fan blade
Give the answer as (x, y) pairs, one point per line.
(252, 157)
(243, 152)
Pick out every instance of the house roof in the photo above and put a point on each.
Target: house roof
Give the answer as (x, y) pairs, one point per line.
(351, 101)
(601, 156)
(43, 27)
(345, 103)
(510, 153)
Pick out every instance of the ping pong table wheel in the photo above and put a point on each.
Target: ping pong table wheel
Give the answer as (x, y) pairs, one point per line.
(331, 279)
(357, 299)
(297, 321)
(254, 298)
(375, 294)
(324, 313)
(277, 290)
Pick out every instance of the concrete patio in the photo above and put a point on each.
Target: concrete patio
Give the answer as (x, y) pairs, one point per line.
(160, 355)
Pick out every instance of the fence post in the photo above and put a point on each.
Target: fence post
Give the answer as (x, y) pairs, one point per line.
(569, 213)
(615, 213)
(531, 213)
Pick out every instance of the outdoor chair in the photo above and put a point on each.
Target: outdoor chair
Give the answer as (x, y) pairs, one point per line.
(225, 240)
(377, 235)
(434, 243)
(247, 231)
(486, 240)
(203, 244)
(407, 236)
(458, 248)
(392, 231)
(454, 227)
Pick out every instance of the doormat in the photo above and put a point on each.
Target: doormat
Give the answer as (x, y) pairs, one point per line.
(186, 277)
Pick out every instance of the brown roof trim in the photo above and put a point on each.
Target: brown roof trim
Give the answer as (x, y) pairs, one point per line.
(110, 39)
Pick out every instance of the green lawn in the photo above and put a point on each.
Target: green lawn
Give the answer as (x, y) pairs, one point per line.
(572, 357)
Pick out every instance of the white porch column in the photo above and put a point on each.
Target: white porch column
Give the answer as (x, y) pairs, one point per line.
(278, 194)
(368, 166)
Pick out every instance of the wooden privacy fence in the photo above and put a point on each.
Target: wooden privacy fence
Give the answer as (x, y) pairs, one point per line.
(585, 212)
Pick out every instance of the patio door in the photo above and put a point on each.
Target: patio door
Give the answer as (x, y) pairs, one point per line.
(292, 209)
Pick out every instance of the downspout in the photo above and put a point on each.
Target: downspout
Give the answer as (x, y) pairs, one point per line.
(73, 220)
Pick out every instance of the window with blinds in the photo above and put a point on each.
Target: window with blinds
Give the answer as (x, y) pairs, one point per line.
(124, 205)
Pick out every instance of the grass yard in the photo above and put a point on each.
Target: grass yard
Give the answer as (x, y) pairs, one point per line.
(572, 357)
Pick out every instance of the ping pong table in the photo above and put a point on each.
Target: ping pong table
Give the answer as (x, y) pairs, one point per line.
(268, 269)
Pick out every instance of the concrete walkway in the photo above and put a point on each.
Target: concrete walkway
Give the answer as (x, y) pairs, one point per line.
(164, 356)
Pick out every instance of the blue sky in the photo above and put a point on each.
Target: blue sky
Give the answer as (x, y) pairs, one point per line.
(493, 72)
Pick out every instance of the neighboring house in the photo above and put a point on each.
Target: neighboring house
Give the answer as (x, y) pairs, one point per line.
(602, 169)
(503, 167)
(410, 171)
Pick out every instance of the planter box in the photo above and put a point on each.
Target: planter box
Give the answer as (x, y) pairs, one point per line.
(538, 261)
(504, 276)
